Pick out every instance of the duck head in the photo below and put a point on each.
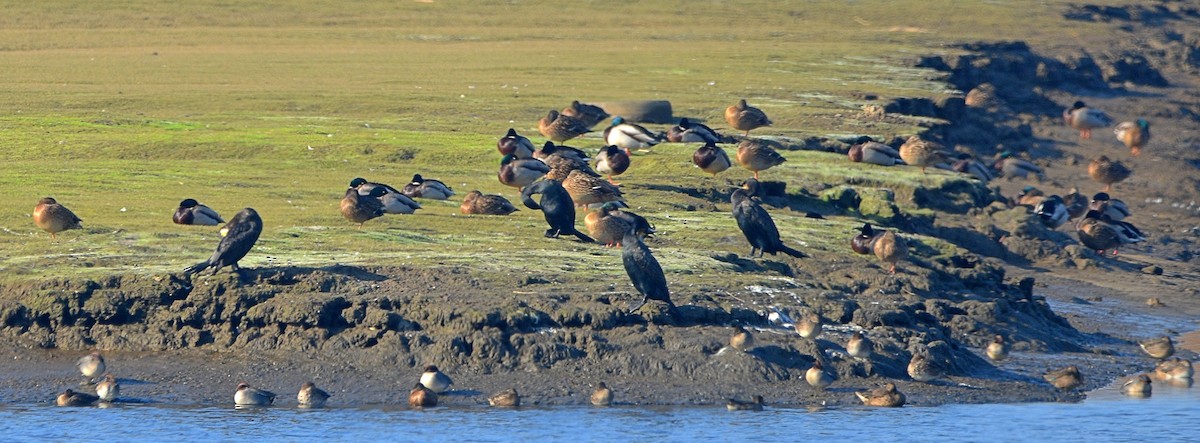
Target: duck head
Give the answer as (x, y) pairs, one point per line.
(188, 203)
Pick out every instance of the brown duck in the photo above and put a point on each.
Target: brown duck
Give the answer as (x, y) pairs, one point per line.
(922, 153)
(479, 203)
(561, 128)
(757, 156)
(360, 208)
(1134, 135)
(54, 218)
(588, 114)
(886, 396)
(744, 117)
(586, 189)
(890, 249)
(1066, 379)
(1108, 172)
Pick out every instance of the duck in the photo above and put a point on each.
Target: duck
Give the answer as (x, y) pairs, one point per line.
(1077, 204)
(922, 369)
(711, 158)
(630, 136)
(885, 397)
(744, 117)
(421, 187)
(393, 201)
(560, 128)
(91, 366)
(1108, 172)
(1065, 379)
(517, 145)
(688, 131)
(605, 227)
(867, 150)
(922, 153)
(479, 203)
(997, 350)
(859, 346)
(435, 380)
(612, 161)
(1011, 167)
(73, 398)
(238, 236)
(757, 156)
(557, 206)
(561, 167)
(1100, 233)
(809, 325)
(645, 273)
(1029, 197)
(890, 249)
(641, 226)
(520, 173)
(741, 339)
(1084, 119)
(1173, 369)
(1114, 209)
(53, 217)
(756, 223)
(982, 96)
(310, 396)
(863, 242)
(967, 164)
(508, 398)
(753, 405)
(602, 396)
(191, 212)
(1052, 211)
(817, 376)
(108, 389)
(1158, 347)
(1134, 135)
(549, 149)
(248, 396)
(1137, 386)
(587, 190)
(589, 114)
(360, 208)
(422, 397)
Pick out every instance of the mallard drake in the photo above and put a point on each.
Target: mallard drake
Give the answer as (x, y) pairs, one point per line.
(310, 396)
(505, 399)
(711, 159)
(744, 117)
(586, 190)
(974, 168)
(859, 346)
(479, 203)
(886, 396)
(549, 149)
(1029, 197)
(1134, 135)
(561, 128)
(602, 396)
(757, 156)
(191, 212)
(756, 223)
(1012, 167)
(1066, 379)
(108, 389)
(359, 208)
(998, 349)
(688, 131)
(605, 226)
(589, 114)
(890, 249)
(1108, 172)
(1100, 233)
(1083, 118)
(1173, 369)
(817, 377)
(54, 218)
(630, 136)
(73, 398)
(922, 153)
(435, 380)
(1052, 211)
(520, 173)
(611, 161)
(91, 366)
(809, 325)
(1112, 208)
(556, 206)
(1077, 204)
(248, 396)
(561, 167)
(741, 339)
(863, 242)
(422, 397)
(1158, 347)
(753, 405)
(392, 200)
(515, 144)
(866, 150)
(922, 369)
(237, 237)
(645, 273)
(1137, 386)
(421, 187)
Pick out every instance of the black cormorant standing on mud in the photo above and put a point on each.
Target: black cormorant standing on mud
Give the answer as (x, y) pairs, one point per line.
(237, 237)
(756, 223)
(645, 273)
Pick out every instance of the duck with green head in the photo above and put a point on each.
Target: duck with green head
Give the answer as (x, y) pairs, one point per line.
(520, 173)
(630, 136)
(1134, 135)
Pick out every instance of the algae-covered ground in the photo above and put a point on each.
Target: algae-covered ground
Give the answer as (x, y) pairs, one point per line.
(122, 112)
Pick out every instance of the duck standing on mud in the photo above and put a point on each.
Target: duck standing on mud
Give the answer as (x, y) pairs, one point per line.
(1100, 233)
(557, 206)
(756, 224)
(435, 380)
(645, 273)
(744, 117)
(1085, 119)
(91, 366)
(237, 237)
(1134, 135)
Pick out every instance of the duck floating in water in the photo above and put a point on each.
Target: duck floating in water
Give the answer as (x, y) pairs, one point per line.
(1137, 386)
(753, 405)
(73, 398)
(887, 396)
(310, 396)
(248, 396)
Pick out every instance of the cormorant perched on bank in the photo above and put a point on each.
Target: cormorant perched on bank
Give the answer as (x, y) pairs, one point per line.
(237, 237)
(756, 223)
(645, 273)
(557, 206)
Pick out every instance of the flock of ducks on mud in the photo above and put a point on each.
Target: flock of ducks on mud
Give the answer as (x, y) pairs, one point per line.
(565, 179)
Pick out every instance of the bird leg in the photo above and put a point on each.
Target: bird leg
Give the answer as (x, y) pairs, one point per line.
(610, 180)
(634, 308)
(1085, 133)
(1136, 151)
(755, 175)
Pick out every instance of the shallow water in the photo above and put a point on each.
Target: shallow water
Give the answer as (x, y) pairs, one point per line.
(1171, 414)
